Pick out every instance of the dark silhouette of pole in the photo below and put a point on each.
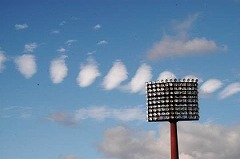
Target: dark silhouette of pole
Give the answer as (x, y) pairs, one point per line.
(174, 140)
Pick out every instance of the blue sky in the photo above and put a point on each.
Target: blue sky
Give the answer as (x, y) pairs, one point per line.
(73, 73)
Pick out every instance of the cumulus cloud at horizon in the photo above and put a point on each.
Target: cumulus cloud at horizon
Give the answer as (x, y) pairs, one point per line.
(26, 64)
(216, 141)
(117, 74)
(88, 73)
(58, 69)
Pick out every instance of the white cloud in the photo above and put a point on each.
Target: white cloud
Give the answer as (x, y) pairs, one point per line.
(58, 70)
(61, 50)
(181, 44)
(230, 90)
(186, 24)
(143, 75)
(26, 64)
(196, 141)
(102, 113)
(62, 23)
(97, 27)
(103, 42)
(3, 59)
(70, 42)
(21, 26)
(166, 75)
(116, 75)
(170, 46)
(192, 77)
(62, 118)
(210, 86)
(99, 113)
(30, 47)
(55, 31)
(88, 73)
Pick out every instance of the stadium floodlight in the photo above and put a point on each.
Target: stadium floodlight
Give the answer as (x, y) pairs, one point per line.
(172, 100)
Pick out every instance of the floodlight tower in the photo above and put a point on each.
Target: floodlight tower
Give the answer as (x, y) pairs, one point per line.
(172, 100)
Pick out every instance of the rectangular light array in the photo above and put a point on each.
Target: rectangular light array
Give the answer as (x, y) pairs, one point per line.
(172, 100)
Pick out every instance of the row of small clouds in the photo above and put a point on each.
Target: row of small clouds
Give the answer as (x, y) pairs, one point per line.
(196, 141)
(89, 72)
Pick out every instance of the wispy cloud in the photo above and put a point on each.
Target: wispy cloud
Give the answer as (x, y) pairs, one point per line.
(181, 44)
(70, 42)
(62, 118)
(97, 27)
(99, 113)
(26, 64)
(70, 157)
(21, 26)
(103, 42)
(55, 31)
(137, 83)
(88, 73)
(58, 69)
(61, 50)
(3, 59)
(210, 86)
(194, 142)
(102, 113)
(166, 75)
(30, 47)
(116, 75)
(62, 23)
(16, 111)
(230, 90)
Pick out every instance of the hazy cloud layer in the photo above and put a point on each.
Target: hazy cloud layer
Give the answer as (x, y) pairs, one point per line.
(29, 48)
(21, 26)
(26, 64)
(62, 118)
(210, 86)
(137, 83)
(99, 113)
(215, 142)
(3, 59)
(231, 89)
(58, 69)
(166, 75)
(181, 43)
(102, 113)
(116, 75)
(88, 73)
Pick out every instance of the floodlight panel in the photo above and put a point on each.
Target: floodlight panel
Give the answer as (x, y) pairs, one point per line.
(168, 100)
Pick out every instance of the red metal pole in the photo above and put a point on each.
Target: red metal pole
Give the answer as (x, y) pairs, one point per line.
(174, 140)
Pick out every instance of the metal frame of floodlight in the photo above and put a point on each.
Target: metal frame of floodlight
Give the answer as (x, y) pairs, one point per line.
(172, 100)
